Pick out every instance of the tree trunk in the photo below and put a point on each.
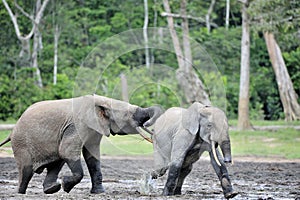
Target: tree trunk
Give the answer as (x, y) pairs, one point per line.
(56, 37)
(207, 17)
(25, 40)
(287, 93)
(36, 45)
(243, 110)
(124, 87)
(227, 14)
(145, 29)
(185, 39)
(188, 80)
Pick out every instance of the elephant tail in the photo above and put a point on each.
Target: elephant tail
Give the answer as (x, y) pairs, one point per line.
(5, 141)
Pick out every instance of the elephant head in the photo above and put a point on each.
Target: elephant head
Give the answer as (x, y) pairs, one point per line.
(212, 125)
(106, 115)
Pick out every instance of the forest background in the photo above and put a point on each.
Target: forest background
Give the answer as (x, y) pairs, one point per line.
(71, 29)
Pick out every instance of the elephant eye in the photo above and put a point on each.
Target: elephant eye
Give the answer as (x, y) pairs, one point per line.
(209, 126)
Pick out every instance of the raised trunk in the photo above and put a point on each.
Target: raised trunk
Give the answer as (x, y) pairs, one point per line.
(287, 93)
(152, 113)
(243, 110)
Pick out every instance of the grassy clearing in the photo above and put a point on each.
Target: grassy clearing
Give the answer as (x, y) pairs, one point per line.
(283, 143)
(268, 123)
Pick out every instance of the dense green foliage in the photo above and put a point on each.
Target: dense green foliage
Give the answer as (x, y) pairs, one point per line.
(85, 24)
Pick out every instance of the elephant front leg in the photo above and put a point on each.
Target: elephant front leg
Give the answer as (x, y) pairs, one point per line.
(70, 181)
(93, 165)
(50, 183)
(222, 173)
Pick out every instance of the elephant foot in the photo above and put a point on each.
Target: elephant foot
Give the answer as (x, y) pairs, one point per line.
(227, 188)
(55, 187)
(167, 192)
(68, 183)
(97, 190)
(177, 191)
(231, 194)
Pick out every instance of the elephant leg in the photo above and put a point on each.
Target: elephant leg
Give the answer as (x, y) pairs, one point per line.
(183, 174)
(77, 174)
(70, 151)
(25, 175)
(222, 174)
(25, 169)
(179, 152)
(161, 166)
(159, 172)
(94, 168)
(174, 172)
(50, 183)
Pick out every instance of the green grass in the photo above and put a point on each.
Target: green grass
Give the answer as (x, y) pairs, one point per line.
(125, 145)
(233, 122)
(282, 143)
(3, 135)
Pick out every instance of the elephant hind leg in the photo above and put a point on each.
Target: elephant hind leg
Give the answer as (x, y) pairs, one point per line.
(70, 181)
(25, 169)
(183, 173)
(25, 175)
(50, 183)
(159, 172)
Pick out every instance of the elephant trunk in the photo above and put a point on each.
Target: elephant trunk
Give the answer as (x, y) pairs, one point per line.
(153, 113)
(226, 150)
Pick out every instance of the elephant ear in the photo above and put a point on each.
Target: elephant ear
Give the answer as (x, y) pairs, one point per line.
(191, 118)
(95, 116)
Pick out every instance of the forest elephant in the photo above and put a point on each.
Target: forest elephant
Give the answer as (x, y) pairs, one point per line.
(181, 136)
(51, 133)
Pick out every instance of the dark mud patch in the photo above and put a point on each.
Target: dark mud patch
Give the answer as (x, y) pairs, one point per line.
(253, 180)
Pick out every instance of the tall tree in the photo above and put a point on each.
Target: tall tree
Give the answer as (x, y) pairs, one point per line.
(188, 80)
(243, 112)
(145, 29)
(209, 12)
(266, 19)
(287, 93)
(25, 40)
(227, 14)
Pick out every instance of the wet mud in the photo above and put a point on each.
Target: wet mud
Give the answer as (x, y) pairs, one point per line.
(122, 180)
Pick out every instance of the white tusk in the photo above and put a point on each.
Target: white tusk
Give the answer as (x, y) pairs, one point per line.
(140, 130)
(147, 130)
(214, 153)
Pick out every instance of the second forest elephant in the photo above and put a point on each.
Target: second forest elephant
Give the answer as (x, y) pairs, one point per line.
(182, 135)
(51, 133)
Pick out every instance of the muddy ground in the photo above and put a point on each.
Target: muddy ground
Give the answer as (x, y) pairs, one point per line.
(252, 178)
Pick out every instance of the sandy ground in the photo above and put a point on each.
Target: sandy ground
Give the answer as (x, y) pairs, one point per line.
(253, 178)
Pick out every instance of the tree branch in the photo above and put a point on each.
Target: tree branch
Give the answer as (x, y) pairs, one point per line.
(40, 12)
(199, 19)
(23, 11)
(15, 23)
(13, 19)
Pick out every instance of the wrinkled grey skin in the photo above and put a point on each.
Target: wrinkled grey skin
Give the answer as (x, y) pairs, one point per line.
(51, 133)
(181, 136)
